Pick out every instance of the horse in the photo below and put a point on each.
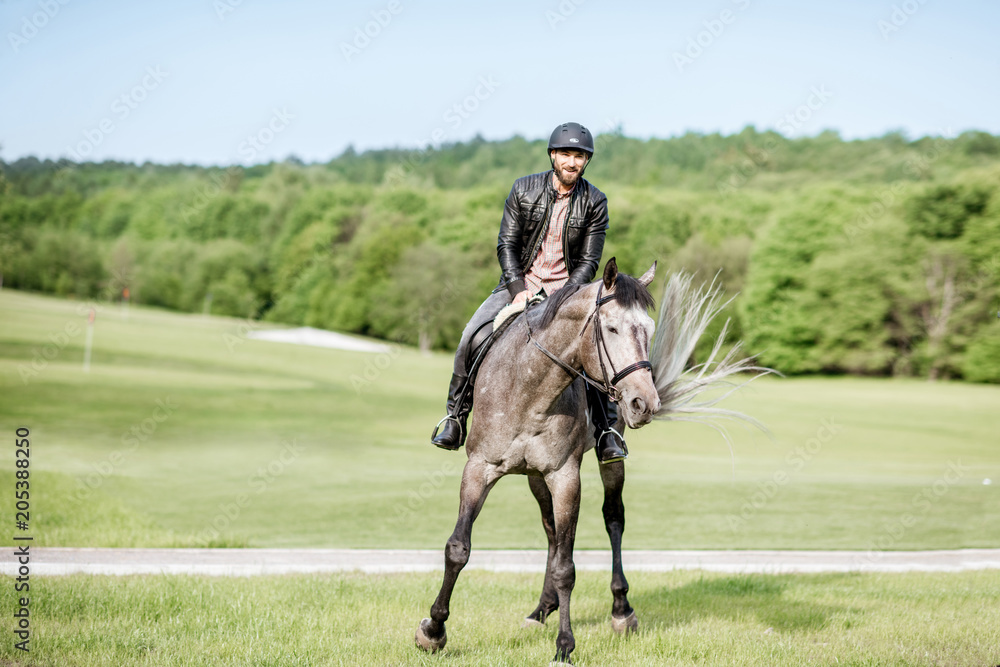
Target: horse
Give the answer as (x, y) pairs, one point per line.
(530, 418)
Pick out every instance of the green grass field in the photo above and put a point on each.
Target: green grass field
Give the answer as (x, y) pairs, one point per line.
(186, 433)
(686, 618)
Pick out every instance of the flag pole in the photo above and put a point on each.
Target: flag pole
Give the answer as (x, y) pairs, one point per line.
(90, 340)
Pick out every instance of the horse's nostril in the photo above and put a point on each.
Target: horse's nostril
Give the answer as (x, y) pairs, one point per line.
(638, 405)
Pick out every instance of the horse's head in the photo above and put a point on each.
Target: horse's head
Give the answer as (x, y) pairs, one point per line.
(622, 332)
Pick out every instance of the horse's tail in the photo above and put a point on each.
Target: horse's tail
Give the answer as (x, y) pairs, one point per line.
(693, 394)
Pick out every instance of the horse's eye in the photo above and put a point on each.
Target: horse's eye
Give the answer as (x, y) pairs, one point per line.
(612, 330)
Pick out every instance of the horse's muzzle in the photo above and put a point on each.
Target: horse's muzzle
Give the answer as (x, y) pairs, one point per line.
(639, 407)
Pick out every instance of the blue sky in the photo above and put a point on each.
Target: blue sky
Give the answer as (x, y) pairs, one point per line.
(245, 81)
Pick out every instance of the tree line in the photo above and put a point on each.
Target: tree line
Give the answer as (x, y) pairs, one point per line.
(872, 257)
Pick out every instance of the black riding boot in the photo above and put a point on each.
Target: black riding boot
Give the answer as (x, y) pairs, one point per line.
(452, 428)
(604, 416)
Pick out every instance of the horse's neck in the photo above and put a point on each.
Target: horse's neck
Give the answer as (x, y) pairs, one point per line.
(562, 338)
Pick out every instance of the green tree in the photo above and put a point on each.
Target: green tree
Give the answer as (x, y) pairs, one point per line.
(982, 360)
(430, 295)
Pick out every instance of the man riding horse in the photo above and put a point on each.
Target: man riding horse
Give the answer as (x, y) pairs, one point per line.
(551, 235)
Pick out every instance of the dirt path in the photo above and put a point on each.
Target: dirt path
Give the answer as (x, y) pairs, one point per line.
(247, 562)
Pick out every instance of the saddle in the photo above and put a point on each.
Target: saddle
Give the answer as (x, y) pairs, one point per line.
(484, 337)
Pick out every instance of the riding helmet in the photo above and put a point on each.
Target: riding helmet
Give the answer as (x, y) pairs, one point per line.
(572, 135)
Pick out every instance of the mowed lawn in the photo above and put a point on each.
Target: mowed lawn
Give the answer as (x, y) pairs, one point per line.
(186, 433)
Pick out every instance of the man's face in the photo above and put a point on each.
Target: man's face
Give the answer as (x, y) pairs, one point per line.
(568, 164)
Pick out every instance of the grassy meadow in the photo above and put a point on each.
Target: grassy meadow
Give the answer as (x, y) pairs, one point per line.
(685, 618)
(186, 433)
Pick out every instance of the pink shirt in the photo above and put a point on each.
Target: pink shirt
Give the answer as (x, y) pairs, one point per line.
(548, 271)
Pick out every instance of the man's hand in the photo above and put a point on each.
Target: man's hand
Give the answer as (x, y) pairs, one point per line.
(521, 298)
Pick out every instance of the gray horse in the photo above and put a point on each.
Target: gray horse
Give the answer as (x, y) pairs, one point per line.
(530, 419)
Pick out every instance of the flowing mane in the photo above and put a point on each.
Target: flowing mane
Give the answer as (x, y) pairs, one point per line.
(629, 293)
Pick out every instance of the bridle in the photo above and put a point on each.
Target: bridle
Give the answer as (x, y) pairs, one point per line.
(606, 386)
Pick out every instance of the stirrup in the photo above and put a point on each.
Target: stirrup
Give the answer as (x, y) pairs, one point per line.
(461, 430)
(611, 429)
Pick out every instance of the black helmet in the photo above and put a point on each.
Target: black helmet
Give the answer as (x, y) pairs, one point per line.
(572, 135)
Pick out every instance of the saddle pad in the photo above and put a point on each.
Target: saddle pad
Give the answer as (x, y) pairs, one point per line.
(481, 344)
(508, 312)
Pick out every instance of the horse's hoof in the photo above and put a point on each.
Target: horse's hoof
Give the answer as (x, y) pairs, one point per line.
(625, 625)
(561, 660)
(530, 623)
(427, 643)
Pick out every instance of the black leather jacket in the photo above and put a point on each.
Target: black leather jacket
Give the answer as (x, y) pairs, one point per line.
(525, 220)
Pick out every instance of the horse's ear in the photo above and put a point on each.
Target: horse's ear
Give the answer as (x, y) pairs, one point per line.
(610, 273)
(647, 277)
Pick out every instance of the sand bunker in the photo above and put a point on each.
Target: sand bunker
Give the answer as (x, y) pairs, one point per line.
(318, 338)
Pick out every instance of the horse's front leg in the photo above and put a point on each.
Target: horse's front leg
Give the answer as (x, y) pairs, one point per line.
(564, 485)
(549, 601)
(613, 476)
(477, 480)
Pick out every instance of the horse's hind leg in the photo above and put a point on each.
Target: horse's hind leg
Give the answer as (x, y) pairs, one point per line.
(549, 600)
(476, 484)
(613, 476)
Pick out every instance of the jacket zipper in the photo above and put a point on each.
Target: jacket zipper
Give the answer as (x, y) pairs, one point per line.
(565, 233)
(545, 229)
(541, 235)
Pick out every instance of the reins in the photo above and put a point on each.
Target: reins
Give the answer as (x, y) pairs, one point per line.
(606, 386)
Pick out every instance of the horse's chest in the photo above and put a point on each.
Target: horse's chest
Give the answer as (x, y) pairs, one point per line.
(540, 448)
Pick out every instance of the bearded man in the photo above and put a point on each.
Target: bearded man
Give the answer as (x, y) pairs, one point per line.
(551, 235)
